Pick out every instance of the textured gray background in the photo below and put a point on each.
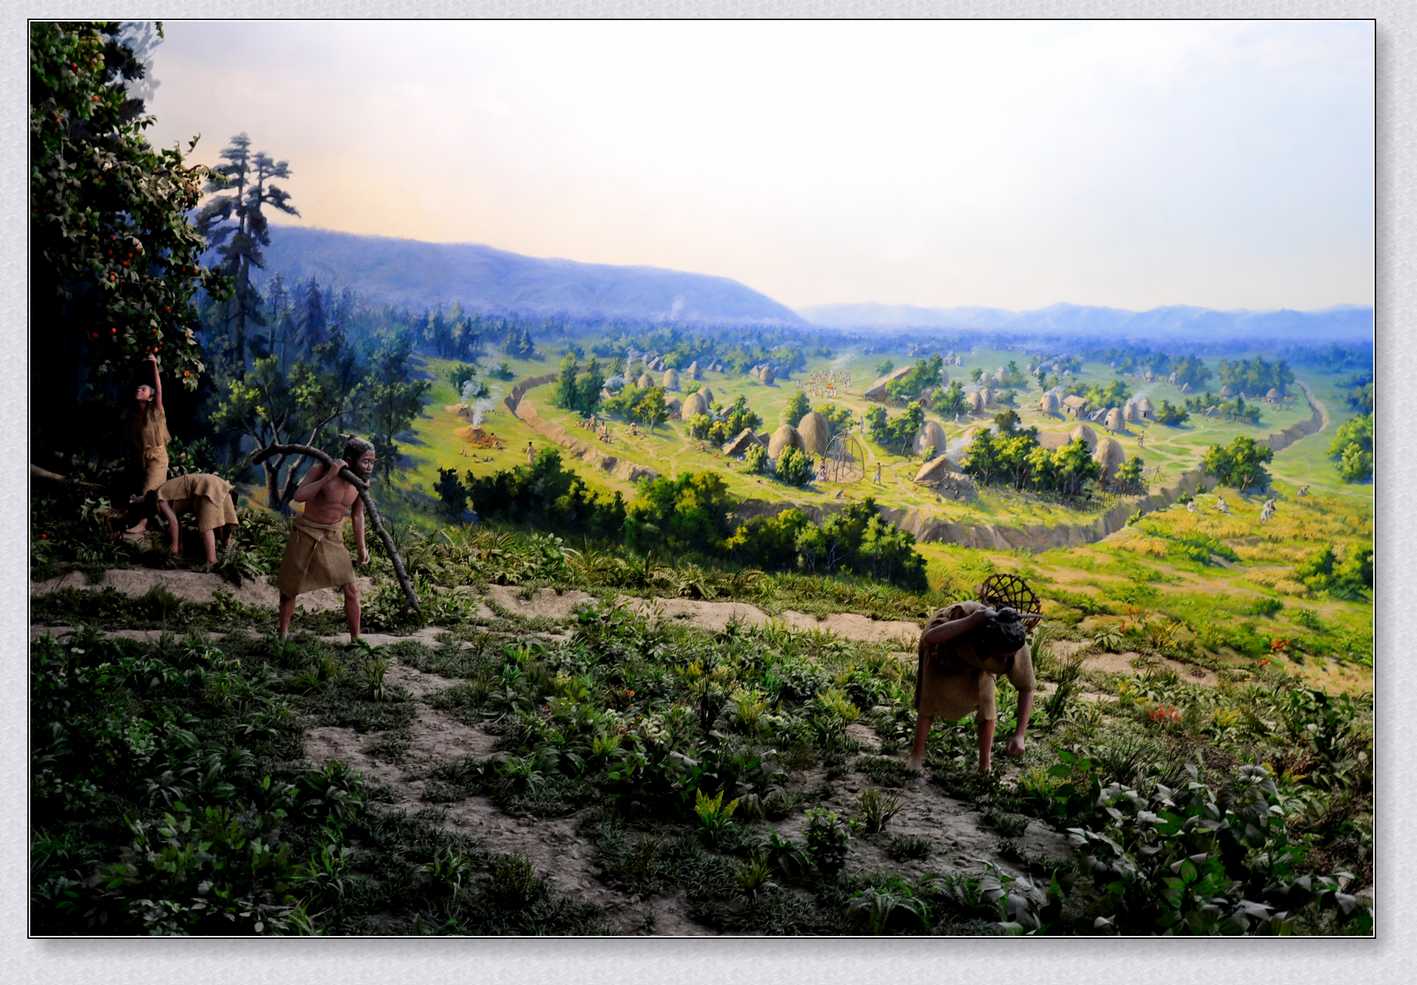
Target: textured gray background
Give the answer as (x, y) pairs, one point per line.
(744, 962)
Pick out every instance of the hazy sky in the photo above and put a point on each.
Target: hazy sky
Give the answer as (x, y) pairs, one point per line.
(1225, 164)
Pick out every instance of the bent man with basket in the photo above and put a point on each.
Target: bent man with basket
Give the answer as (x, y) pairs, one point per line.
(963, 648)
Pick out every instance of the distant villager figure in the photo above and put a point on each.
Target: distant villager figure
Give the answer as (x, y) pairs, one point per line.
(149, 431)
(1222, 506)
(1304, 490)
(878, 473)
(202, 495)
(530, 454)
(1190, 506)
(315, 555)
(1267, 511)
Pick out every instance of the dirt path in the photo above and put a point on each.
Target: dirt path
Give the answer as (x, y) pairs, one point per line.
(541, 603)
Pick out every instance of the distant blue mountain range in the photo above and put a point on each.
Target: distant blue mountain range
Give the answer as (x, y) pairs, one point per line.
(1340, 323)
(415, 274)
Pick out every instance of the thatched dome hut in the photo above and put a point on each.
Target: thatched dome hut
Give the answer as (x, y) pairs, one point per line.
(934, 470)
(1000, 375)
(644, 382)
(975, 400)
(1074, 405)
(1114, 420)
(670, 379)
(815, 432)
(1129, 411)
(766, 375)
(877, 390)
(1145, 411)
(1272, 396)
(693, 405)
(988, 395)
(693, 371)
(783, 438)
(1227, 391)
(1049, 404)
(707, 394)
(1110, 456)
(739, 445)
(930, 441)
(1088, 436)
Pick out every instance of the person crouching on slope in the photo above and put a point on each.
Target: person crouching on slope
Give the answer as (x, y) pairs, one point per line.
(963, 648)
(315, 555)
(208, 498)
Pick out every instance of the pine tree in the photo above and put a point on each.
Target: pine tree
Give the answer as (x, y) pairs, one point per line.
(234, 223)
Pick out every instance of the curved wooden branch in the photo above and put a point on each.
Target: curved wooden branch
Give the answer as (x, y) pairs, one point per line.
(362, 487)
(42, 473)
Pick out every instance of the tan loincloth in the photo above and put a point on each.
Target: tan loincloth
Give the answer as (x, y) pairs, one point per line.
(315, 557)
(206, 496)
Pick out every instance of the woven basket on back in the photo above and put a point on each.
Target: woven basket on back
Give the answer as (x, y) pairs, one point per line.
(1012, 591)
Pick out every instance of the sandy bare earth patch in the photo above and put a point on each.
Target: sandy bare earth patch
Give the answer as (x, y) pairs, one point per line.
(956, 832)
(196, 586)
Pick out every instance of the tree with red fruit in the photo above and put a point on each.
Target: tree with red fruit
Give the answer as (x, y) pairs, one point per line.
(115, 263)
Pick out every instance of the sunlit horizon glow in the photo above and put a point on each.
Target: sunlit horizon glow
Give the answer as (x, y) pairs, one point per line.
(1134, 164)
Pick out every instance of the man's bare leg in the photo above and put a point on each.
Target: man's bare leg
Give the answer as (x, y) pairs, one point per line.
(209, 544)
(285, 612)
(917, 751)
(351, 611)
(1025, 710)
(986, 744)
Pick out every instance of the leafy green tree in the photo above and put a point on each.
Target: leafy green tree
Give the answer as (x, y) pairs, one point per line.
(392, 397)
(839, 419)
(651, 409)
(234, 224)
(687, 513)
(1355, 464)
(1240, 464)
(795, 467)
(857, 539)
(1352, 447)
(114, 261)
(1129, 476)
(1007, 421)
(297, 402)
(884, 367)
(981, 458)
(1074, 467)
(895, 434)
(755, 459)
(1171, 415)
(546, 494)
(797, 407)
(1190, 371)
(949, 401)
(768, 541)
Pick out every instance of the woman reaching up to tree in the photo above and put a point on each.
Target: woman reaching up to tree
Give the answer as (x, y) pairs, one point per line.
(149, 431)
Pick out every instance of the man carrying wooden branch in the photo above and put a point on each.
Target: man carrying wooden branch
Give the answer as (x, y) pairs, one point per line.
(315, 555)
